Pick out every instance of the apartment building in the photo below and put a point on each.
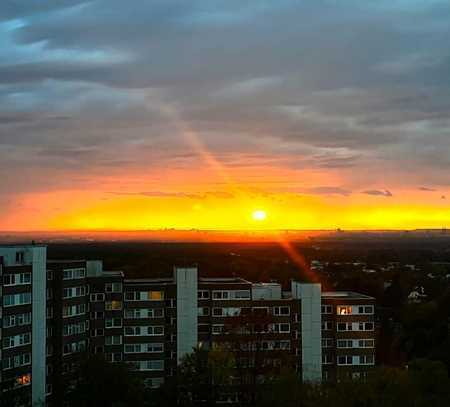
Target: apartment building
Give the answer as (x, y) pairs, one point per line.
(348, 335)
(22, 324)
(56, 311)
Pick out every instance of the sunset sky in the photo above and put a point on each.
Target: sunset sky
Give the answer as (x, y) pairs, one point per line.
(196, 114)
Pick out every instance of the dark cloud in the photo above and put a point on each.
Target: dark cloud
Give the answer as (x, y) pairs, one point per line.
(376, 192)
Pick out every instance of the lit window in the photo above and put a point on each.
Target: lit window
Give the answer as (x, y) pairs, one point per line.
(155, 295)
(23, 380)
(344, 310)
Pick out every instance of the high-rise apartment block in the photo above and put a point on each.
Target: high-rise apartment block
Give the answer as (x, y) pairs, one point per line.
(53, 312)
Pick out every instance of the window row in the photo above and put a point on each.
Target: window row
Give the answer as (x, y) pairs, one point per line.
(137, 313)
(231, 295)
(74, 310)
(355, 343)
(73, 292)
(16, 299)
(349, 309)
(153, 330)
(74, 347)
(144, 295)
(73, 274)
(143, 365)
(348, 326)
(354, 310)
(75, 329)
(17, 361)
(144, 348)
(16, 340)
(113, 340)
(355, 326)
(355, 360)
(16, 279)
(10, 321)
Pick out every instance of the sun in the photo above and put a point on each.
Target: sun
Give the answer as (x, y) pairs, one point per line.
(259, 215)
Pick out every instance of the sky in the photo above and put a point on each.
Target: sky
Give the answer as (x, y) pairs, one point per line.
(195, 114)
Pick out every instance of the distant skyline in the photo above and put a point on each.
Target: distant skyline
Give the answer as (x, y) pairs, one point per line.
(230, 115)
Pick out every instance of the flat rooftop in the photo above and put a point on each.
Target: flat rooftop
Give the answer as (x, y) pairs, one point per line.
(345, 294)
(223, 280)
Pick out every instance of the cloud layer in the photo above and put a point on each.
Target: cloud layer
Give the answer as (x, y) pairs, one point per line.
(357, 92)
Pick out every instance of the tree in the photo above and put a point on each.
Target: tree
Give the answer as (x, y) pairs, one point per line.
(103, 384)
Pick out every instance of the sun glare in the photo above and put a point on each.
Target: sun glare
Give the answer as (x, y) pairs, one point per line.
(259, 215)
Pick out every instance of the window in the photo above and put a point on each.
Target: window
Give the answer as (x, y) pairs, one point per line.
(113, 287)
(72, 292)
(72, 274)
(113, 323)
(16, 320)
(203, 294)
(345, 360)
(74, 347)
(365, 309)
(16, 361)
(344, 310)
(17, 279)
(327, 342)
(220, 295)
(327, 359)
(97, 315)
(218, 329)
(144, 348)
(345, 343)
(74, 310)
(344, 326)
(147, 365)
(144, 330)
(327, 309)
(366, 360)
(144, 313)
(368, 326)
(97, 332)
(113, 340)
(203, 311)
(203, 328)
(241, 295)
(217, 312)
(113, 305)
(279, 311)
(281, 328)
(327, 325)
(75, 329)
(16, 299)
(97, 297)
(144, 295)
(20, 257)
(366, 343)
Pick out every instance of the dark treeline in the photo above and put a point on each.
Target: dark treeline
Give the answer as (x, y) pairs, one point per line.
(204, 378)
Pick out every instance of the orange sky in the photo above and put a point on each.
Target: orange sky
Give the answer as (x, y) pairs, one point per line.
(321, 114)
(226, 207)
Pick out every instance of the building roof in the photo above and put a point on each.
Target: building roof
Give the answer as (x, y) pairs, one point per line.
(345, 294)
(223, 280)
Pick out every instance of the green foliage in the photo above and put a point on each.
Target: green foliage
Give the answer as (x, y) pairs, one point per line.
(103, 384)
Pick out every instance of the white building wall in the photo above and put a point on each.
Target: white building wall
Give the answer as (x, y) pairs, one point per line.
(39, 330)
(187, 313)
(311, 337)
